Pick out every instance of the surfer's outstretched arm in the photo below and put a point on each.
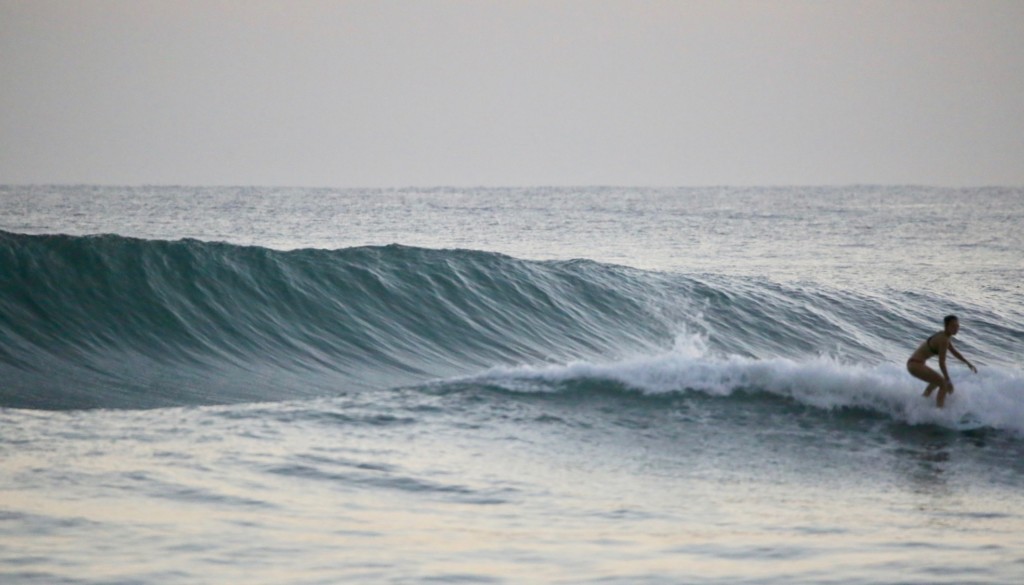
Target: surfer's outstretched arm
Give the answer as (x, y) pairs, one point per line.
(957, 355)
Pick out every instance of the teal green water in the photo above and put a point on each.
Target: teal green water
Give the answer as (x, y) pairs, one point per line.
(517, 385)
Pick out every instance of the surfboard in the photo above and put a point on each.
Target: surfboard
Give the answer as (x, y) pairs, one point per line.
(968, 423)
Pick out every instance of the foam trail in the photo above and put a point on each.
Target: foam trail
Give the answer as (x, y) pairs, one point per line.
(994, 398)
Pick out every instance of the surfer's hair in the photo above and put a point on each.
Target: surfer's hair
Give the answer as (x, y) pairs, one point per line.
(949, 319)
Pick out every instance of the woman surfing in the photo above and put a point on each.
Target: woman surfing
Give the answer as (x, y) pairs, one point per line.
(937, 344)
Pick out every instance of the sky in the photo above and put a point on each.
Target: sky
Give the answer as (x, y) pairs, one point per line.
(511, 93)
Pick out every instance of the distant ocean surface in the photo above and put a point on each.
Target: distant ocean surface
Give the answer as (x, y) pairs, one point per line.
(533, 385)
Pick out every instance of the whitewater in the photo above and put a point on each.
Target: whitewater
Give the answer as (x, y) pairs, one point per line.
(635, 385)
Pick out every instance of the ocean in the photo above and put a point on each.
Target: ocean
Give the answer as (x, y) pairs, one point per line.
(519, 385)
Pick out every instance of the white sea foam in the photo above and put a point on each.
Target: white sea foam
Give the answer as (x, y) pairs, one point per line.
(993, 398)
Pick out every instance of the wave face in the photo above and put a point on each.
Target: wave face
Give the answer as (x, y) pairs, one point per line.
(108, 321)
(116, 322)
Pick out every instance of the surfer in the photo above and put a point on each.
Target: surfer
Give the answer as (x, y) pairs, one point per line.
(937, 344)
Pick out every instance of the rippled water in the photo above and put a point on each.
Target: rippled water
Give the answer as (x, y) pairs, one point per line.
(708, 438)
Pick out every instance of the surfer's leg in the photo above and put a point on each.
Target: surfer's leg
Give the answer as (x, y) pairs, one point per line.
(934, 379)
(945, 389)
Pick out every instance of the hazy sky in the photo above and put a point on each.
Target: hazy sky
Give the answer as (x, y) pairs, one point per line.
(517, 93)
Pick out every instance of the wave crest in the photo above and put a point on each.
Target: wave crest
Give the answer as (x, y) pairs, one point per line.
(116, 322)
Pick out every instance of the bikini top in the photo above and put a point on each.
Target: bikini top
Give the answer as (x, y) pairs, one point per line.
(930, 348)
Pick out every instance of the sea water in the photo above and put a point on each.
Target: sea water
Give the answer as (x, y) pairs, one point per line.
(551, 385)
